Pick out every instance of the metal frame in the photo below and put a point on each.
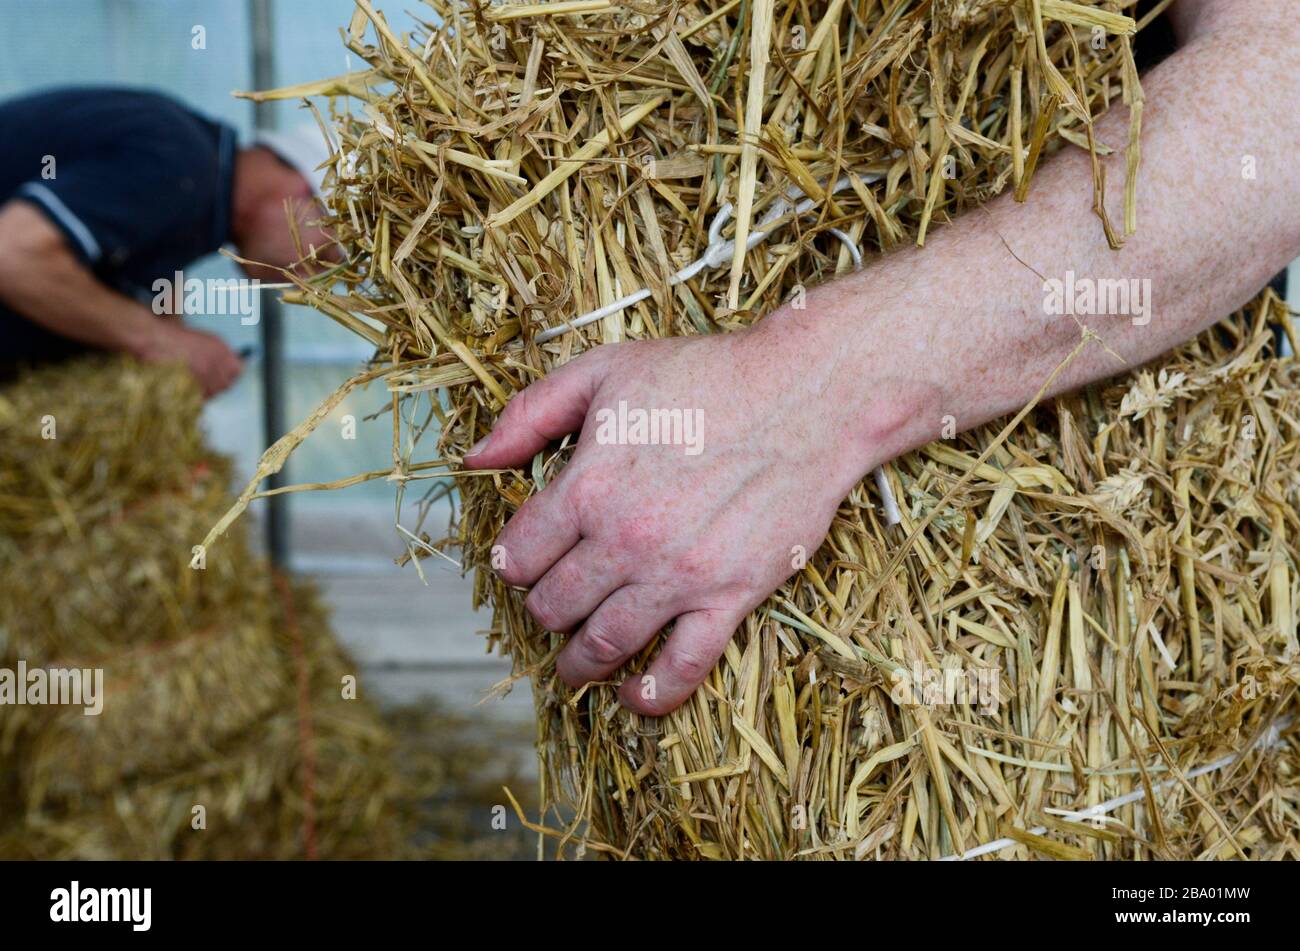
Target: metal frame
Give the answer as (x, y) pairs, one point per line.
(271, 326)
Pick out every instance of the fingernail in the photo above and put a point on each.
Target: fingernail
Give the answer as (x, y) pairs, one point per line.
(479, 446)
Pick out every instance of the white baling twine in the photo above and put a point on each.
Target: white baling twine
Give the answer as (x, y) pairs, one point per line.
(1272, 737)
(718, 253)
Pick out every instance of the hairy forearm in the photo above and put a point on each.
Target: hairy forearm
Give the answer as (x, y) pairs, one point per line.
(42, 280)
(962, 328)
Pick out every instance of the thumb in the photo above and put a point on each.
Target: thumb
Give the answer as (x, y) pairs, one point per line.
(554, 406)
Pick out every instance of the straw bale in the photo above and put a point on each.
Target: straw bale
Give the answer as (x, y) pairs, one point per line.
(223, 687)
(78, 438)
(1124, 559)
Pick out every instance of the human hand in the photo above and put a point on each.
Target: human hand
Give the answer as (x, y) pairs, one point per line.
(630, 538)
(214, 365)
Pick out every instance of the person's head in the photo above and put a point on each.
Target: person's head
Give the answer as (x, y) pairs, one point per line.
(276, 180)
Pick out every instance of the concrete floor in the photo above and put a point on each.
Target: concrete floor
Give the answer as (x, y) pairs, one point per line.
(414, 641)
(416, 638)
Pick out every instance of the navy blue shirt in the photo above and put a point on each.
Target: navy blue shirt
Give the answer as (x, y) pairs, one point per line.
(139, 185)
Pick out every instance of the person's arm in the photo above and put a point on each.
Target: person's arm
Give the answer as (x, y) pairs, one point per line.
(44, 281)
(1218, 207)
(797, 410)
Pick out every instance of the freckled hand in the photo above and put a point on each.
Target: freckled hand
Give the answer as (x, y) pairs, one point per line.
(643, 529)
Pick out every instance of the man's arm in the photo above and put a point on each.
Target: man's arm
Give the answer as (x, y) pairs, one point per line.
(1218, 202)
(41, 279)
(797, 410)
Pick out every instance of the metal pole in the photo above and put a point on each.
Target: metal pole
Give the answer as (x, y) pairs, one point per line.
(272, 317)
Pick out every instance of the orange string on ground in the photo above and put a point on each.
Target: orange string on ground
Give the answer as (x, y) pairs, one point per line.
(305, 738)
